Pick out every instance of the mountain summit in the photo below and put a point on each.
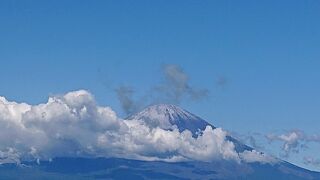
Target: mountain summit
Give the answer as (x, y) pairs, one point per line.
(166, 116)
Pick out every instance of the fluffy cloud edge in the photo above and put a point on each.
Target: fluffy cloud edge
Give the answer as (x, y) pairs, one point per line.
(74, 125)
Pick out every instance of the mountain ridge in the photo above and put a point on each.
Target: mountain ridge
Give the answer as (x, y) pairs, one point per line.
(169, 116)
(166, 117)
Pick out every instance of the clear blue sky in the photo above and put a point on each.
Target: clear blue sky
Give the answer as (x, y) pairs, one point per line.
(267, 50)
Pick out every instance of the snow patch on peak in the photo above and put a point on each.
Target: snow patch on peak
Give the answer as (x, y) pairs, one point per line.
(168, 110)
(168, 116)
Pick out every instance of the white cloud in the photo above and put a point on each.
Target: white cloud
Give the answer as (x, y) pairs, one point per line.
(74, 125)
(9, 155)
(292, 141)
(255, 156)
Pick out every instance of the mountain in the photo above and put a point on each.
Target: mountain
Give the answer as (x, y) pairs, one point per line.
(165, 117)
(117, 168)
(168, 116)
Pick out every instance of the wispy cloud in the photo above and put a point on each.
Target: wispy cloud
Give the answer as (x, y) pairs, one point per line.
(222, 81)
(256, 156)
(251, 139)
(174, 88)
(177, 85)
(293, 141)
(311, 161)
(126, 99)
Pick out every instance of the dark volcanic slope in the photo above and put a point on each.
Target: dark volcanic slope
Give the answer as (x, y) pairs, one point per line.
(114, 168)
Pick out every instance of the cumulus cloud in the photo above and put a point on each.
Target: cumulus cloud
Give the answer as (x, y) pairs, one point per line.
(74, 125)
(143, 142)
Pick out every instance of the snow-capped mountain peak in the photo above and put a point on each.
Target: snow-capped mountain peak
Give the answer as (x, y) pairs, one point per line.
(167, 115)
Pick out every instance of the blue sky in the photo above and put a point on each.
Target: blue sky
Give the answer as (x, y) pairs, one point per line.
(268, 52)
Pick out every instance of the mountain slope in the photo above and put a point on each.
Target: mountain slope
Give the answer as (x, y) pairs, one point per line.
(116, 168)
(167, 116)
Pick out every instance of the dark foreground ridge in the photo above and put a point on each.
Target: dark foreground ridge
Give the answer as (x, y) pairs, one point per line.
(115, 168)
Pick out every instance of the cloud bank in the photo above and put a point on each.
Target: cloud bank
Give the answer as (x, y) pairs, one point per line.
(74, 125)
